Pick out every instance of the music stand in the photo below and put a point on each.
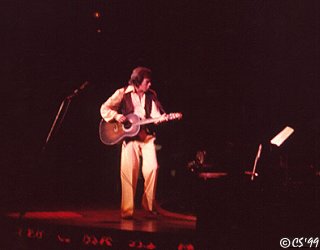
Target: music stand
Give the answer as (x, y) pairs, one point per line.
(278, 140)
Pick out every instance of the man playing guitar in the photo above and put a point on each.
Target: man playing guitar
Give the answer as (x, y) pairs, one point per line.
(136, 98)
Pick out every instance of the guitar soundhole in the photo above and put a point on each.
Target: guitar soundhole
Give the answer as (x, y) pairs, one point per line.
(127, 124)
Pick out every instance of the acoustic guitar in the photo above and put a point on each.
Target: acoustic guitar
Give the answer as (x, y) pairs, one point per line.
(112, 132)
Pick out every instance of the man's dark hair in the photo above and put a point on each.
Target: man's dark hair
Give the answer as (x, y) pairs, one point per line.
(138, 74)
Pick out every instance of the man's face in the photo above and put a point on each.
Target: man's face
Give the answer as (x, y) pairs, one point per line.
(145, 85)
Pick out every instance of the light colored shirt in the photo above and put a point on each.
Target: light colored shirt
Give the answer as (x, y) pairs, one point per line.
(109, 109)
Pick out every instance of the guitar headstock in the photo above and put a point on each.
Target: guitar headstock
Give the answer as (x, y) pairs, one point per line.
(174, 116)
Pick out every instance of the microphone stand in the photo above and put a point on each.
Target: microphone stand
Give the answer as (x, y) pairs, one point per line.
(253, 173)
(62, 113)
(63, 107)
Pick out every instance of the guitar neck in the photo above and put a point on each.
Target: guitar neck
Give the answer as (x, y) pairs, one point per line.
(147, 121)
(168, 117)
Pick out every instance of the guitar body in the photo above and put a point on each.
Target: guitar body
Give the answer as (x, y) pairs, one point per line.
(113, 132)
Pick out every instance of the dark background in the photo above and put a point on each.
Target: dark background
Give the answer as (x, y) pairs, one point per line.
(239, 71)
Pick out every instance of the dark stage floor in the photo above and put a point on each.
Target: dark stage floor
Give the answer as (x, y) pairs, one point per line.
(96, 228)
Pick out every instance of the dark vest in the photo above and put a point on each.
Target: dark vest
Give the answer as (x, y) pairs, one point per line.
(126, 106)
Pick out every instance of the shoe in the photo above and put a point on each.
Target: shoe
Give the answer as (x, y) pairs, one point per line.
(151, 215)
(127, 217)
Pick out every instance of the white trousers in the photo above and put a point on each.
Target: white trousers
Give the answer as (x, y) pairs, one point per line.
(129, 173)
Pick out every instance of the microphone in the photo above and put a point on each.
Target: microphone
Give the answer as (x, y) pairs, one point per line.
(78, 90)
(82, 87)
